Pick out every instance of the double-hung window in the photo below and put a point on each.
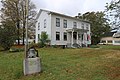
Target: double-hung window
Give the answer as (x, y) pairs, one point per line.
(87, 27)
(57, 36)
(39, 26)
(75, 24)
(57, 22)
(45, 24)
(65, 23)
(65, 36)
(82, 25)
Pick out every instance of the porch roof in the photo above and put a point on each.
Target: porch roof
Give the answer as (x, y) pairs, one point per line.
(77, 30)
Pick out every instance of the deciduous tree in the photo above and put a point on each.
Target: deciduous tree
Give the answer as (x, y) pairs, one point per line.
(99, 24)
(15, 10)
(7, 34)
(113, 13)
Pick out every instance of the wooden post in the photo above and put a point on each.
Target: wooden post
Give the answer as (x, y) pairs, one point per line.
(26, 44)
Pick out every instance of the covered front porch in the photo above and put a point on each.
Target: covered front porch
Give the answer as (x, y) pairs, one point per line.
(77, 38)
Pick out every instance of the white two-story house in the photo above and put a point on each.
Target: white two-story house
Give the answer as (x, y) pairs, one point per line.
(63, 29)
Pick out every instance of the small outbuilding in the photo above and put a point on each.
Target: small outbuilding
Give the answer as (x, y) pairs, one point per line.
(110, 40)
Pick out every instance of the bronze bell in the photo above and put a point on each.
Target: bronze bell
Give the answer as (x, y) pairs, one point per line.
(32, 52)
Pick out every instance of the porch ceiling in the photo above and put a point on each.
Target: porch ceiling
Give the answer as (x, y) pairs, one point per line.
(77, 30)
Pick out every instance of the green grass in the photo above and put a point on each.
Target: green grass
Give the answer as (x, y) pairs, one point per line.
(65, 64)
(110, 47)
(1, 48)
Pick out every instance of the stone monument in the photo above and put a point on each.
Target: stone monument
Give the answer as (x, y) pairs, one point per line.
(32, 64)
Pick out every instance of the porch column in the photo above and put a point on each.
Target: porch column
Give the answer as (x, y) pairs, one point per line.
(72, 38)
(86, 39)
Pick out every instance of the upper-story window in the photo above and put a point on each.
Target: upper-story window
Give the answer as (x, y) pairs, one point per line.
(82, 25)
(45, 23)
(39, 26)
(75, 24)
(65, 23)
(58, 22)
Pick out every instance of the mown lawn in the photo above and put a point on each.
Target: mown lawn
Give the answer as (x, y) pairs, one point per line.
(116, 47)
(65, 64)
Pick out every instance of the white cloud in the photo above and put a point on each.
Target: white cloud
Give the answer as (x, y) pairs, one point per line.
(71, 7)
(94, 5)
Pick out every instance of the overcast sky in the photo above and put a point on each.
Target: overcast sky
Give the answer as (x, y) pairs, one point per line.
(71, 7)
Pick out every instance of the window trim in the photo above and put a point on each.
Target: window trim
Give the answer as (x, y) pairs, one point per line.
(82, 26)
(109, 41)
(39, 26)
(38, 37)
(116, 41)
(75, 24)
(57, 36)
(57, 22)
(103, 41)
(87, 27)
(82, 37)
(65, 23)
(45, 23)
(65, 34)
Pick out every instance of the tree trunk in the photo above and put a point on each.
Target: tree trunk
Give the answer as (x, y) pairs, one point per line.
(18, 32)
(23, 33)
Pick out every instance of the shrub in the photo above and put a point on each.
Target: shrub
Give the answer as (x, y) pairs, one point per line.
(15, 49)
(54, 46)
(43, 41)
(7, 35)
(34, 44)
(41, 44)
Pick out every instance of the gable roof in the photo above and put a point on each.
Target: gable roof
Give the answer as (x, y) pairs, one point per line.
(116, 35)
(59, 14)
